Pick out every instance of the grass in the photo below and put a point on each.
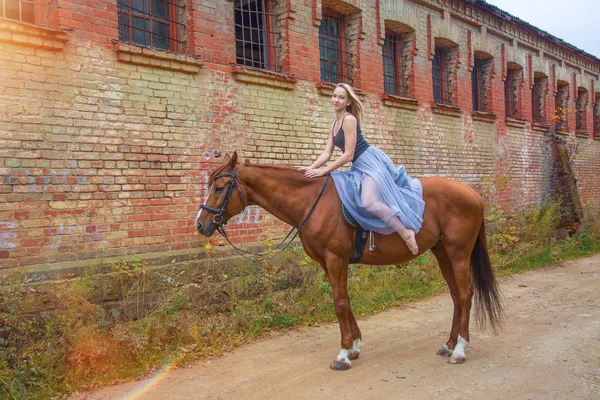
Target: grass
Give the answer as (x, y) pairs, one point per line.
(78, 345)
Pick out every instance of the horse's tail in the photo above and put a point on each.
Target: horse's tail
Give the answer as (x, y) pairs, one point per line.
(488, 302)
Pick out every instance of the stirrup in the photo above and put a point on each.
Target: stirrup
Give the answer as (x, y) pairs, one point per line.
(371, 241)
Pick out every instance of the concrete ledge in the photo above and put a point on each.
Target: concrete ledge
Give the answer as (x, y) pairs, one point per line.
(21, 33)
(156, 58)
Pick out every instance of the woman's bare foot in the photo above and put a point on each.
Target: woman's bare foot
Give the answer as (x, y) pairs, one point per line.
(408, 235)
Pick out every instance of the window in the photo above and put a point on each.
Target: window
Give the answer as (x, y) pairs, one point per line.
(580, 114)
(21, 10)
(538, 97)
(481, 82)
(151, 23)
(254, 35)
(333, 47)
(597, 116)
(561, 109)
(396, 64)
(512, 86)
(443, 66)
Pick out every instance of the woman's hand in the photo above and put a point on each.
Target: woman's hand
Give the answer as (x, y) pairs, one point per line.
(314, 172)
(300, 168)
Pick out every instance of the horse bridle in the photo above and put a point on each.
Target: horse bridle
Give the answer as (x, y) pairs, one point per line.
(223, 221)
(219, 219)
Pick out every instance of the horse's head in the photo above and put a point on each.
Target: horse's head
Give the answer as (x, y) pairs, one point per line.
(224, 200)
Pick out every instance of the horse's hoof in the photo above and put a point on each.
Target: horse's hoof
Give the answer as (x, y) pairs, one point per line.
(444, 351)
(353, 355)
(457, 359)
(338, 365)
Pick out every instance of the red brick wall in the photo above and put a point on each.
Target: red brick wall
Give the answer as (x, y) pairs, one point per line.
(105, 147)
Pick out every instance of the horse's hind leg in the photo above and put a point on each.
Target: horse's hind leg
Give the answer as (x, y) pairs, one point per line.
(446, 267)
(461, 265)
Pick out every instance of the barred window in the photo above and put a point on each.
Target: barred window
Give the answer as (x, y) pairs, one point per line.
(481, 82)
(333, 47)
(396, 65)
(254, 34)
(151, 23)
(538, 97)
(580, 106)
(560, 103)
(442, 67)
(597, 116)
(20, 10)
(512, 85)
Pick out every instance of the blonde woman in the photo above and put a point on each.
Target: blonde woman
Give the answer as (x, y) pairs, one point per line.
(380, 196)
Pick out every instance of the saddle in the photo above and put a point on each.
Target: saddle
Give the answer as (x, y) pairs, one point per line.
(361, 235)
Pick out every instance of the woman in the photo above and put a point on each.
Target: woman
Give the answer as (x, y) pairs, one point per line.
(381, 197)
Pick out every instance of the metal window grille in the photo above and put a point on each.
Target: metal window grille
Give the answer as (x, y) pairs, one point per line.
(333, 49)
(20, 10)
(478, 85)
(510, 93)
(395, 65)
(597, 118)
(560, 112)
(442, 93)
(580, 111)
(537, 100)
(254, 35)
(150, 23)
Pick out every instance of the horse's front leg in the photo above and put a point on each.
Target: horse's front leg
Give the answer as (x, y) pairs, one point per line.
(337, 272)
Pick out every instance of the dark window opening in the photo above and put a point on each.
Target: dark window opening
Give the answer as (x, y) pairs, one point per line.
(511, 91)
(333, 49)
(597, 117)
(580, 110)
(150, 23)
(396, 64)
(254, 35)
(442, 92)
(538, 98)
(560, 111)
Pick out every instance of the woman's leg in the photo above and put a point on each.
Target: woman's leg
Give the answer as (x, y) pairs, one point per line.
(370, 200)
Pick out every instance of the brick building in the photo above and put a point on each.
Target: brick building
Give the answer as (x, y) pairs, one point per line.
(111, 112)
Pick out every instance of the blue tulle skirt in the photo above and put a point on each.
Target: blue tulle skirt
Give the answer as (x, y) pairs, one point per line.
(392, 186)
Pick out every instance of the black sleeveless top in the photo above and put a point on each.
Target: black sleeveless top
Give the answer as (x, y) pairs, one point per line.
(361, 143)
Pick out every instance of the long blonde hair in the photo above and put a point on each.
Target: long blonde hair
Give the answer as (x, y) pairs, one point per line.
(355, 108)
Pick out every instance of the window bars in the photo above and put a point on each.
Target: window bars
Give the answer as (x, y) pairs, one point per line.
(395, 66)
(597, 118)
(20, 10)
(478, 85)
(537, 100)
(442, 92)
(255, 35)
(510, 93)
(151, 23)
(580, 111)
(333, 50)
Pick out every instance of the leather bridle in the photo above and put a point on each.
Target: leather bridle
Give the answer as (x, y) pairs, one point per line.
(219, 219)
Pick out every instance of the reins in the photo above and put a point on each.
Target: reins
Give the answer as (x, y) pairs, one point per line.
(222, 221)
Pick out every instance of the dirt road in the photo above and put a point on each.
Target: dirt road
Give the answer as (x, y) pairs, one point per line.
(548, 349)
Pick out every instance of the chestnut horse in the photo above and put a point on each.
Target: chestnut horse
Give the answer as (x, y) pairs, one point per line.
(453, 229)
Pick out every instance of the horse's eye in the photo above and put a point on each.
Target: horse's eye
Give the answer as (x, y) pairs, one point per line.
(219, 189)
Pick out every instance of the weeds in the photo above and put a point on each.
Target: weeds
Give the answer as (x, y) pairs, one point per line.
(175, 316)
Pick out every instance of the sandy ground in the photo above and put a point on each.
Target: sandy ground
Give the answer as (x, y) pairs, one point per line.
(548, 349)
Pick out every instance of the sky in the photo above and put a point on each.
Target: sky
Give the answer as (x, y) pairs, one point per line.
(577, 22)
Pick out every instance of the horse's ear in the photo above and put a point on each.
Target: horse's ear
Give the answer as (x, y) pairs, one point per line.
(234, 159)
(226, 158)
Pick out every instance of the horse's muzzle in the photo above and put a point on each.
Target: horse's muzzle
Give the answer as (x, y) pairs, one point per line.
(205, 230)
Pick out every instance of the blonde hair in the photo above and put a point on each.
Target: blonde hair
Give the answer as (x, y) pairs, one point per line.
(355, 108)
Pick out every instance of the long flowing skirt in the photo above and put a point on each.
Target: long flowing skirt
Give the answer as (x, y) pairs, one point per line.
(393, 187)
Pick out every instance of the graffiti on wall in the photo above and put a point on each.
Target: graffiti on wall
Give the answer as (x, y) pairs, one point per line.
(23, 180)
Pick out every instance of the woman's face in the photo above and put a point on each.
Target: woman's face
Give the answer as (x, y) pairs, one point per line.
(340, 99)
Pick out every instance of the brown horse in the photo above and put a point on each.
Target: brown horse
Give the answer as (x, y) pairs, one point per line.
(453, 229)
